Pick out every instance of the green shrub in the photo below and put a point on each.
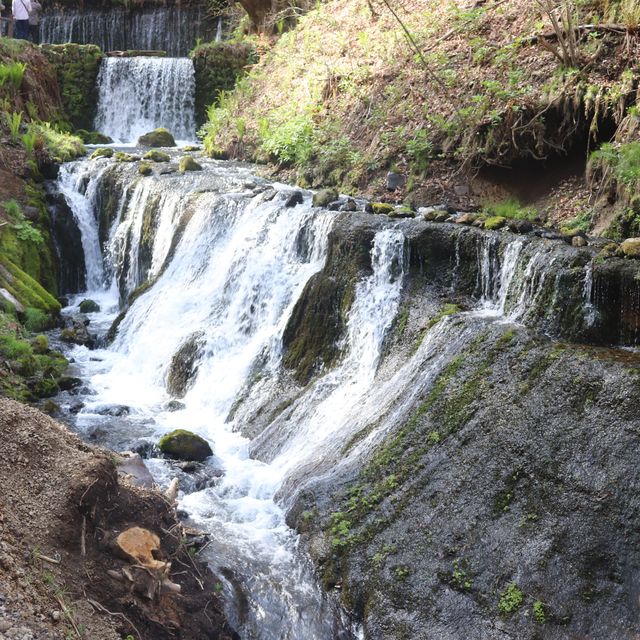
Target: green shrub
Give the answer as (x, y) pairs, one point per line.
(290, 140)
(61, 146)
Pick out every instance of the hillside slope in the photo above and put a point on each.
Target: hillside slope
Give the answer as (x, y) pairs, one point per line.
(476, 108)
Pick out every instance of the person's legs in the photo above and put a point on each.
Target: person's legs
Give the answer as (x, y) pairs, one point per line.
(22, 30)
(34, 32)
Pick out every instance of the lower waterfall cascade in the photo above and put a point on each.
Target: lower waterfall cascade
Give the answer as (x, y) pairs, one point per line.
(217, 261)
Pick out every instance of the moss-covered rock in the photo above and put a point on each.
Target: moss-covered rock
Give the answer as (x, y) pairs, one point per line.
(185, 445)
(104, 152)
(93, 137)
(122, 156)
(380, 208)
(495, 222)
(145, 169)
(217, 67)
(77, 67)
(631, 248)
(157, 138)
(324, 197)
(402, 212)
(89, 306)
(25, 289)
(156, 155)
(188, 163)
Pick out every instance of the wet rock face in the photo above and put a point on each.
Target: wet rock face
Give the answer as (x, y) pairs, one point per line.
(184, 366)
(516, 466)
(67, 245)
(311, 338)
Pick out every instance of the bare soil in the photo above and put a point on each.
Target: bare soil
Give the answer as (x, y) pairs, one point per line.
(62, 505)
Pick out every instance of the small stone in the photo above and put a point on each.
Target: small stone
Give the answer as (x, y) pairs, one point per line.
(56, 616)
(349, 205)
(578, 241)
(495, 222)
(465, 218)
(156, 156)
(379, 208)
(106, 152)
(5, 625)
(144, 169)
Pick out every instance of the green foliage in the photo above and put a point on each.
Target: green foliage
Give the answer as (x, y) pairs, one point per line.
(62, 147)
(622, 160)
(582, 222)
(420, 150)
(538, 612)
(459, 577)
(12, 74)
(25, 231)
(288, 138)
(511, 599)
(29, 140)
(14, 122)
(509, 208)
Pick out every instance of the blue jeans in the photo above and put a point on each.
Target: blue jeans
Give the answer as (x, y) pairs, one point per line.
(22, 30)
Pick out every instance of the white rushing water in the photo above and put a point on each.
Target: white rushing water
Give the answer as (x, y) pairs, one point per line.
(139, 94)
(233, 279)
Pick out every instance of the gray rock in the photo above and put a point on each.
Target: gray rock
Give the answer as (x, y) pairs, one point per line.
(395, 181)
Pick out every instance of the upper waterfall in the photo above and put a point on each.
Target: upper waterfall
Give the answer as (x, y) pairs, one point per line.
(172, 29)
(139, 94)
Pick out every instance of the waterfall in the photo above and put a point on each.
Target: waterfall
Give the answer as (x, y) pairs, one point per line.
(172, 29)
(139, 94)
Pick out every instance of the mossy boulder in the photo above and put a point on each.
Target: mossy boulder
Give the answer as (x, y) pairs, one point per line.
(144, 169)
(105, 152)
(185, 445)
(93, 137)
(188, 163)
(630, 248)
(40, 344)
(324, 197)
(89, 306)
(157, 138)
(156, 155)
(495, 222)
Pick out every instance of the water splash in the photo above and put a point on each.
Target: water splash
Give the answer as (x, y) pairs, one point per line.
(137, 95)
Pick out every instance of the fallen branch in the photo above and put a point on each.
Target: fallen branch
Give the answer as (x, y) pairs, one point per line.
(578, 30)
(67, 613)
(83, 533)
(48, 559)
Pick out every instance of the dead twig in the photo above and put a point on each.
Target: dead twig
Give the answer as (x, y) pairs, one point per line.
(116, 614)
(48, 559)
(83, 533)
(69, 616)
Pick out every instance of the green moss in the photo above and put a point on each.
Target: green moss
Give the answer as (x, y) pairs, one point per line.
(122, 156)
(495, 222)
(104, 152)
(25, 289)
(160, 137)
(381, 208)
(217, 67)
(36, 320)
(155, 155)
(538, 612)
(511, 599)
(77, 69)
(188, 163)
(145, 169)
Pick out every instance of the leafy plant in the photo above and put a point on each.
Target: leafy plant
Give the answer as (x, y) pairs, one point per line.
(538, 612)
(511, 599)
(29, 140)
(14, 122)
(12, 74)
(509, 208)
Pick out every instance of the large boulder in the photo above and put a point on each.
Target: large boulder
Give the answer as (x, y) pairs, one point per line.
(184, 365)
(89, 306)
(185, 445)
(157, 138)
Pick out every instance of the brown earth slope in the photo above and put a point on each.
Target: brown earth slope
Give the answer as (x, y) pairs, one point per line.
(61, 507)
